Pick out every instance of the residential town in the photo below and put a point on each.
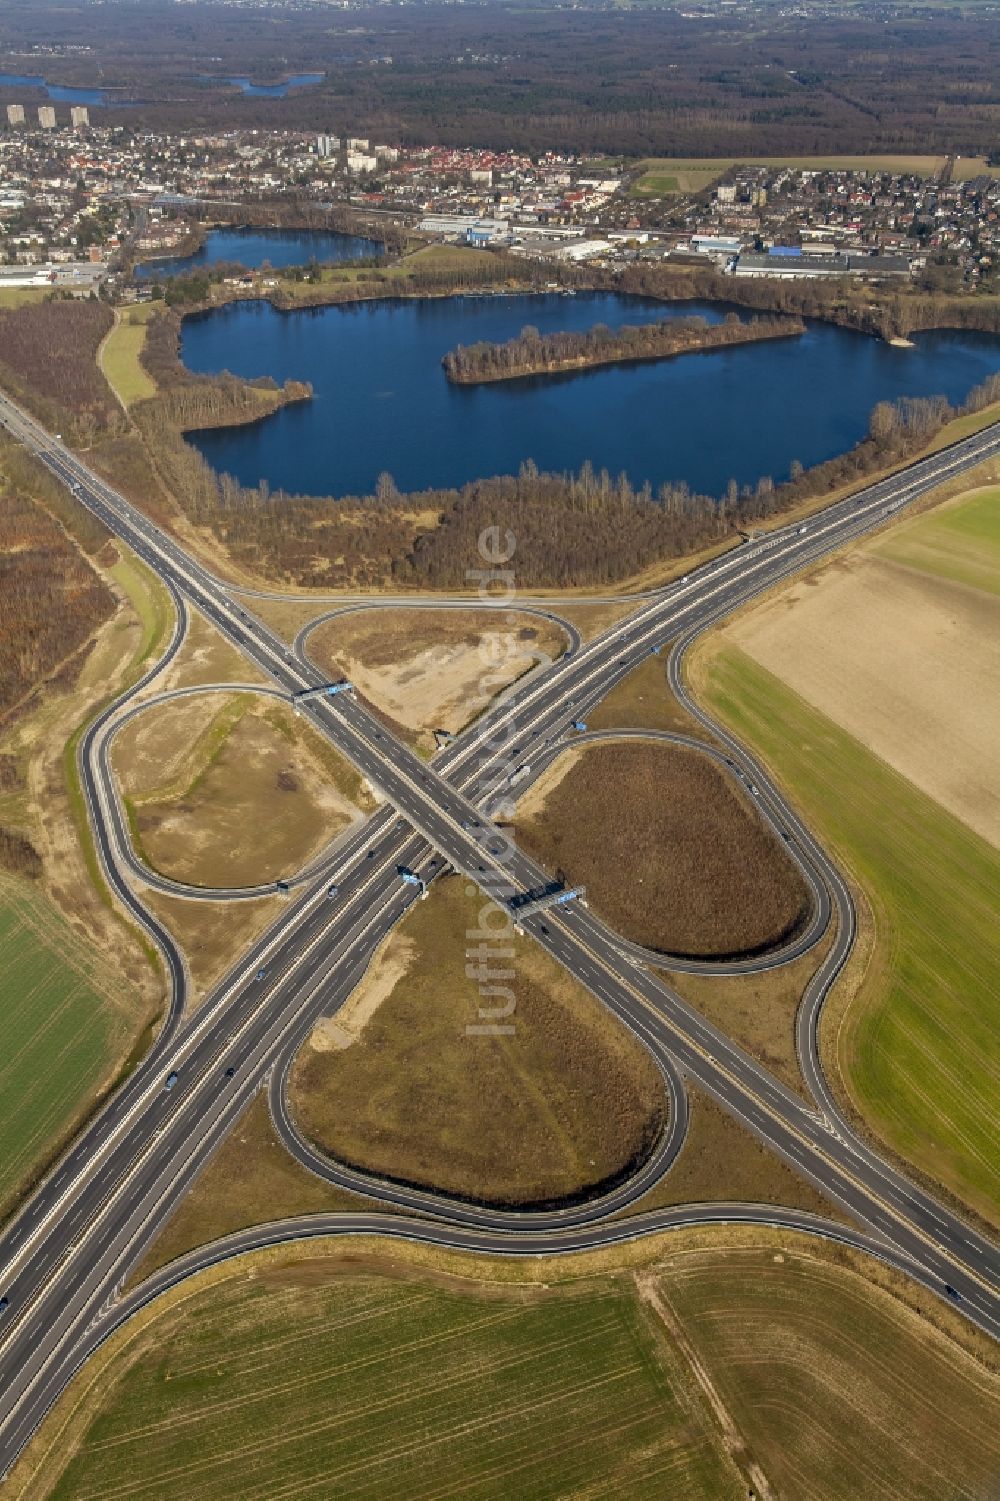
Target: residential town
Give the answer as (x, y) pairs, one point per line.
(79, 204)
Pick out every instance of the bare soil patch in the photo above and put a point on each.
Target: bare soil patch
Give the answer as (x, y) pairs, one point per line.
(433, 669)
(206, 657)
(389, 966)
(901, 660)
(670, 853)
(565, 1101)
(231, 790)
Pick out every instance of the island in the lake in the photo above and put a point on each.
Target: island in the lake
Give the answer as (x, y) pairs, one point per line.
(533, 353)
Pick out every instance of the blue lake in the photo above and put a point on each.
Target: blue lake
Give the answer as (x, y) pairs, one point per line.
(271, 90)
(54, 91)
(382, 402)
(252, 247)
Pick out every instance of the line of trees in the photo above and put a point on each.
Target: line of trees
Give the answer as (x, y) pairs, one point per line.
(532, 353)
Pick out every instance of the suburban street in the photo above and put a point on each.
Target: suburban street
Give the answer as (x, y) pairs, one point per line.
(66, 1254)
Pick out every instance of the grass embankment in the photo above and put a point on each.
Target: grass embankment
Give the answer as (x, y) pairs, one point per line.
(670, 853)
(643, 701)
(401, 278)
(564, 1102)
(120, 355)
(18, 296)
(231, 792)
(914, 1046)
(697, 1365)
(152, 616)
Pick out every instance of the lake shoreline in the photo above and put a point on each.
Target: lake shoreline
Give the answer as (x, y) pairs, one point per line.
(386, 409)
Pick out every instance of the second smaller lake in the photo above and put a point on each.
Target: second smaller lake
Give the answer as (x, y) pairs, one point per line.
(55, 91)
(270, 90)
(253, 247)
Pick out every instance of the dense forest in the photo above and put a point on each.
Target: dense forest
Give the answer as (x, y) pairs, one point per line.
(532, 353)
(642, 81)
(884, 312)
(51, 602)
(48, 357)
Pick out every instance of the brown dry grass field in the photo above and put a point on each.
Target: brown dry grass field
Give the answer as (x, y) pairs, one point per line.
(565, 1102)
(643, 701)
(212, 935)
(231, 789)
(206, 657)
(899, 658)
(433, 669)
(699, 1364)
(675, 859)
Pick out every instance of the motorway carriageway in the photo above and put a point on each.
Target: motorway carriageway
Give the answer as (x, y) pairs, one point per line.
(117, 1199)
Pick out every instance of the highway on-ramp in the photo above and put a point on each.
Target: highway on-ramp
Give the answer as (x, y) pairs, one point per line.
(65, 1254)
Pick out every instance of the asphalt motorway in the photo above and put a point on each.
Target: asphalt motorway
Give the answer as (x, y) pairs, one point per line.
(65, 1253)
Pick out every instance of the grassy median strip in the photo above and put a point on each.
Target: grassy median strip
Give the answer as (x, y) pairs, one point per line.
(915, 1046)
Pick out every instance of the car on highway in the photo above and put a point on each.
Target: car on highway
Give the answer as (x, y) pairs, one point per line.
(230, 1071)
(170, 1081)
(953, 1292)
(331, 891)
(4, 1305)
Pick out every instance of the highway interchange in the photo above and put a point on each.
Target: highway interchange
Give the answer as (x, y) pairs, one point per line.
(64, 1256)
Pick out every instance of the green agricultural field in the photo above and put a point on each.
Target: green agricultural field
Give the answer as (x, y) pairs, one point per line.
(59, 1029)
(119, 357)
(959, 542)
(664, 175)
(300, 1384)
(335, 1371)
(915, 1048)
(18, 296)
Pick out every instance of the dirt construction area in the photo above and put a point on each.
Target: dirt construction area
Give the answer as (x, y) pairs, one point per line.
(433, 669)
(904, 661)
